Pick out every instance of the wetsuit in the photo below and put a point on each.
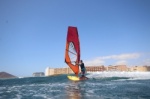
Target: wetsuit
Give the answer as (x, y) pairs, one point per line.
(82, 69)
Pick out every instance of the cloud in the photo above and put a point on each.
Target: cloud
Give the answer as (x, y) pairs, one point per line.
(121, 59)
(121, 62)
(146, 62)
(94, 62)
(122, 56)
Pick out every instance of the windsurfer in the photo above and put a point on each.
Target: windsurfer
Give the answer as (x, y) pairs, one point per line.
(82, 68)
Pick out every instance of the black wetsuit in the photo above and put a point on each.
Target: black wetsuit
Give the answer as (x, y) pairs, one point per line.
(82, 68)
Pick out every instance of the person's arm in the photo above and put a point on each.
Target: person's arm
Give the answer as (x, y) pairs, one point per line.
(77, 63)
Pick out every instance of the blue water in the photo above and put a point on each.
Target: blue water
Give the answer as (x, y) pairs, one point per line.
(101, 85)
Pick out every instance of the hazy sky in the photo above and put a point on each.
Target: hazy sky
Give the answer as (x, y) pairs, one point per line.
(33, 33)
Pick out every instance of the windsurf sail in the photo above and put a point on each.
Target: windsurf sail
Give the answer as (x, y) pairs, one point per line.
(72, 52)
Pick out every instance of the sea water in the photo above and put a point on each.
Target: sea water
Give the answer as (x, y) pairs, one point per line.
(100, 85)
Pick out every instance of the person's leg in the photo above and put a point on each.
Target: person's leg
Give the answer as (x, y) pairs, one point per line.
(83, 72)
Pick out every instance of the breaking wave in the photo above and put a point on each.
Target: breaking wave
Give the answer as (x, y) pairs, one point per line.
(129, 75)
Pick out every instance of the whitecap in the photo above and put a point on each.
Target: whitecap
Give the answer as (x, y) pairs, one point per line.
(130, 75)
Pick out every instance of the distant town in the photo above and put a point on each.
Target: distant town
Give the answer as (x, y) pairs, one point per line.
(56, 71)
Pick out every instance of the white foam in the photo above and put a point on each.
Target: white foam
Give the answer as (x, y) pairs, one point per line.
(33, 89)
(42, 96)
(2, 88)
(18, 96)
(133, 75)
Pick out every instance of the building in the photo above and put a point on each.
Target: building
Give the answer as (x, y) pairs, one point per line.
(57, 71)
(38, 74)
(95, 68)
(139, 68)
(117, 68)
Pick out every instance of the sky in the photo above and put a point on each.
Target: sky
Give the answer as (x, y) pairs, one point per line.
(111, 32)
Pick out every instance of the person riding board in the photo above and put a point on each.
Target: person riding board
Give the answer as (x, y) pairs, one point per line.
(83, 69)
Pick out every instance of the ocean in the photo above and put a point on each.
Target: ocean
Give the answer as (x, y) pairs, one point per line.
(100, 85)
